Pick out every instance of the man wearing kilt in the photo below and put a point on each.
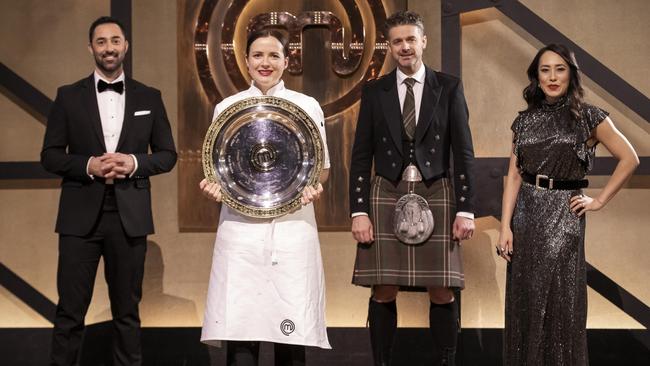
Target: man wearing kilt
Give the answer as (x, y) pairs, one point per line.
(410, 122)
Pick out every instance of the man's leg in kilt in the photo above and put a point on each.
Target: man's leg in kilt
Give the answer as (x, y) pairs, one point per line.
(382, 316)
(443, 323)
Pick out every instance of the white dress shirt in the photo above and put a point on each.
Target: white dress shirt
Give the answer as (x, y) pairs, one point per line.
(111, 113)
(418, 87)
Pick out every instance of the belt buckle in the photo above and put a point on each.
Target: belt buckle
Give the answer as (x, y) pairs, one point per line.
(542, 176)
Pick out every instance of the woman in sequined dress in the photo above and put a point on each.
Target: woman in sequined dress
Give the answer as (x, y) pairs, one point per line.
(543, 212)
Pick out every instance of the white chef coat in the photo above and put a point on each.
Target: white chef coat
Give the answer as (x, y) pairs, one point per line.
(267, 281)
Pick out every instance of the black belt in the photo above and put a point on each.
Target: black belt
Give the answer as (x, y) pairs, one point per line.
(544, 182)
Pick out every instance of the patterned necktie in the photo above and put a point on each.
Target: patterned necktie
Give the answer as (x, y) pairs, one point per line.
(408, 110)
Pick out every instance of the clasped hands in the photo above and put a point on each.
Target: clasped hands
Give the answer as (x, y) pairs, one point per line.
(213, 191)
(111, 165)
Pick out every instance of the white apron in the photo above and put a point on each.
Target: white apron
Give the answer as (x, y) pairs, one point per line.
(267, 281)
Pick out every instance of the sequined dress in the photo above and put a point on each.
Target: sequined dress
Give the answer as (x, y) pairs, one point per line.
(546, 291)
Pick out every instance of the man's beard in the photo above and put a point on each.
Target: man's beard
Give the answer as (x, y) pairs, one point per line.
(109, 68)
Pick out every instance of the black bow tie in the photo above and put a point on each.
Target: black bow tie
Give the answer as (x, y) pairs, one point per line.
(117, 87)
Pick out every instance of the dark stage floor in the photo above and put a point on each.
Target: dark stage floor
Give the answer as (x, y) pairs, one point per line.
(351, 347)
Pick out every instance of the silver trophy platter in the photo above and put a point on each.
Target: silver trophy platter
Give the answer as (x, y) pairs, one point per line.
(263, 151)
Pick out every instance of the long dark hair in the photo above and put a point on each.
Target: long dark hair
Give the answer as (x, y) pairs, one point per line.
(533, 93)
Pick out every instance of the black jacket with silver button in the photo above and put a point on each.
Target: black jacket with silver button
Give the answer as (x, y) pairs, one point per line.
(442, 131)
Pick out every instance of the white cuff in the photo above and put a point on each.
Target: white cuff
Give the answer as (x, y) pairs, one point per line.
(464, 214)
(88, 166)
(135, 165)
(355, 214)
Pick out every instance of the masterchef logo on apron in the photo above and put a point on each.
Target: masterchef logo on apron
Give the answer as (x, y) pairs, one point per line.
(287, 327)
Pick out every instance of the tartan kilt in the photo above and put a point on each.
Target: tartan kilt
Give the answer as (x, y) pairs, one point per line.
(387, 261)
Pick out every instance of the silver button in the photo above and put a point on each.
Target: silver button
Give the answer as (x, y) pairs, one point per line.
(433, 151)
(389, 152)
(437, 137)
(427, 163)
(464, 188)
(383, 139)
(462, 199)
(462, 177)
(393, 165)
(411, 156)
(360, 179)
(359, 200)
(412, 150)
(358, 189)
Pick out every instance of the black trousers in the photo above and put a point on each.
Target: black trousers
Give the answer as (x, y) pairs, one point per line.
(246, 353)
(123, 270)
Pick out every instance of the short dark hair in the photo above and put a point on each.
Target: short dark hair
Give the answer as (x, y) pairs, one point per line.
(104, 20)
(403, 17)
(266, 32)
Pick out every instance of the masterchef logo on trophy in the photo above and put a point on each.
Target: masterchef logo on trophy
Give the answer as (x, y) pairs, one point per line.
(263, 156)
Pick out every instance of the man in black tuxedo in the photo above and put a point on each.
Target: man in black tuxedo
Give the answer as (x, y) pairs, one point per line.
(98, 137)
(410, 123)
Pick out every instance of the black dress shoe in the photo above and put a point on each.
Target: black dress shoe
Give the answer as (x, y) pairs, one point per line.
(449, 357)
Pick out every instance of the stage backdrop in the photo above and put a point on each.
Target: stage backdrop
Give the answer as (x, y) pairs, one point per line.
(192, 51)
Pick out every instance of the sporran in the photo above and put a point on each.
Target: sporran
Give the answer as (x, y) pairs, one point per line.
(412, 221)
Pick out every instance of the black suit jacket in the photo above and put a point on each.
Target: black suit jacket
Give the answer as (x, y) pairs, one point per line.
(442, 130)
(74, 134)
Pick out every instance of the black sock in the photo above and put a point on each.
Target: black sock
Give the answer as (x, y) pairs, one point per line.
(443, 323)
(382, 317)
(289, 354)
(242, 353)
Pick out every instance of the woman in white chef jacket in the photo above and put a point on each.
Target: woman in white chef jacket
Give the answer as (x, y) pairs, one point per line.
(267, 281)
